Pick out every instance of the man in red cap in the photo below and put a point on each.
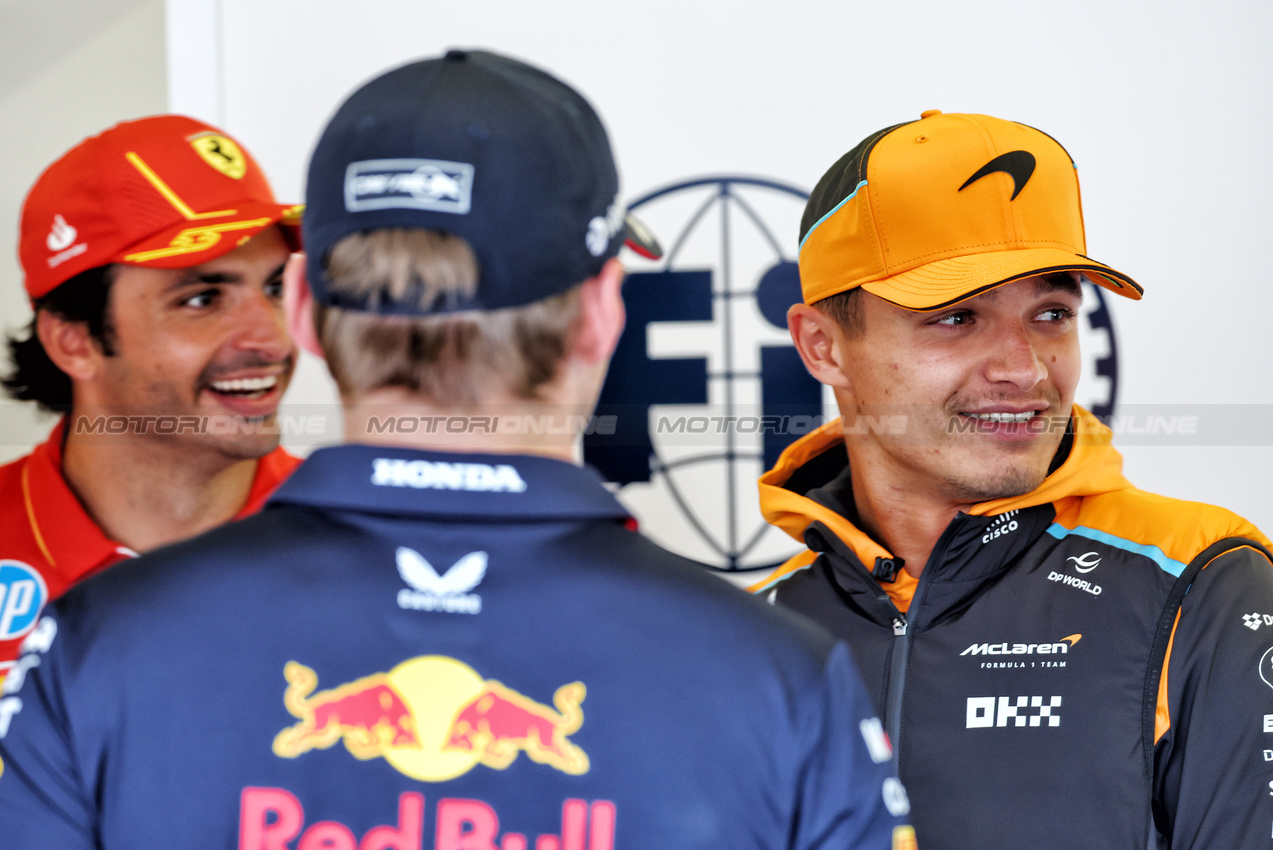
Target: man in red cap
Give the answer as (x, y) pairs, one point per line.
(153, 256)
(1060, 659)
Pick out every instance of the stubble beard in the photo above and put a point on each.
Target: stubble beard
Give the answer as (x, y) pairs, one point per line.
(1022, 474)
(1015, 482)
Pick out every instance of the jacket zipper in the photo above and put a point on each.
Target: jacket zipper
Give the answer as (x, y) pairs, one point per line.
(896, 692)
(897, 681)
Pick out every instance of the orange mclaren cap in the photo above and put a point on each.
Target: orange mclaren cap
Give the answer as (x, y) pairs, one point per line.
(931, 212)
(165, 191)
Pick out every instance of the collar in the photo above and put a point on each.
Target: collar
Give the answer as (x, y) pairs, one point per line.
(451, 485)
(970, 552)
(271, 471)
(1091, 467)
(70, 540)
(66, 535)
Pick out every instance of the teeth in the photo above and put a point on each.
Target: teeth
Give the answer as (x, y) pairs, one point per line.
(1003, 417)
(245, 385)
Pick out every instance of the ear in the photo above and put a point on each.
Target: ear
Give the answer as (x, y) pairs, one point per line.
(298, 306)
(601, 315)
(69, 345)
(820, 343)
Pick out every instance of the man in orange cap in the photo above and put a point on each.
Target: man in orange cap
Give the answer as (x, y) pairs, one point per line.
(1061, 659)
(153, 256)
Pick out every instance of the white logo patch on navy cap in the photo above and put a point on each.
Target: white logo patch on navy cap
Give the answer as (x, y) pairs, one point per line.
(417, 184)
(604, 228)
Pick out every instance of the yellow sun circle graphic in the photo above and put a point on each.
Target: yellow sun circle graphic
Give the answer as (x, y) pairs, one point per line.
(434, 688)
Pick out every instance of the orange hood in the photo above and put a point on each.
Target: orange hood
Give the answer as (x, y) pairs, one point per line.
(1093, 467)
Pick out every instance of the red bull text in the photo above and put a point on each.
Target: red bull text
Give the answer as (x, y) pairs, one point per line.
(271, 818)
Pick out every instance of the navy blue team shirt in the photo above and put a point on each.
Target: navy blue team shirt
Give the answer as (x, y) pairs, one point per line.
(412, 649)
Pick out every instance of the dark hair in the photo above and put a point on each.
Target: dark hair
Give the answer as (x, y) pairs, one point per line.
(845, 308)
(84, 298)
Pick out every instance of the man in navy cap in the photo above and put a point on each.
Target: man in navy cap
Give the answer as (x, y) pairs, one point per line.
(446, 628)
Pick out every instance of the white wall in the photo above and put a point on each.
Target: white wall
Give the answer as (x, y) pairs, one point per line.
(68, 70)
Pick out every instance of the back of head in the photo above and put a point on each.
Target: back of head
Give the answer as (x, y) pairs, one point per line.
(453, 359)
(453, 205)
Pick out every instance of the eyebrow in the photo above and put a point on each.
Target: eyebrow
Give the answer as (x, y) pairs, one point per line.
(215, 278)
(1058, 282)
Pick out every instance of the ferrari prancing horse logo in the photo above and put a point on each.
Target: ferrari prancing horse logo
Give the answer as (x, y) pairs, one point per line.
(221, 153)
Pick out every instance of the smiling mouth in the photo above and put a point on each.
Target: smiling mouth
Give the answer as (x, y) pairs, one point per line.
(245, 387)
(1002, 417)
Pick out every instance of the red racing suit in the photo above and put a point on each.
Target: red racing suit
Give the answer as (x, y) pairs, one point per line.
(48, 542)
(1086, 665)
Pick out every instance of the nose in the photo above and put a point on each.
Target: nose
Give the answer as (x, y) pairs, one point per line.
(261, 327)
(1015, 360)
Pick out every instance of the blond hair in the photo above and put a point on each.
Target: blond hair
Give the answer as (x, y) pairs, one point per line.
(453, 359)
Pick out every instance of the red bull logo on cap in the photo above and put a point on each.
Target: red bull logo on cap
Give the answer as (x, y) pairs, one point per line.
(433, 718)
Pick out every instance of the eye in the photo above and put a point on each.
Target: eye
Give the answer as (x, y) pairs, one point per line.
(963, 317)
(1056, 314)
(274, 287)
(202, 299)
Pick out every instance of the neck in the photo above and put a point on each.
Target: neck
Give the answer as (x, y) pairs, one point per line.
(906, 521)
(393, 417)
(146, 495)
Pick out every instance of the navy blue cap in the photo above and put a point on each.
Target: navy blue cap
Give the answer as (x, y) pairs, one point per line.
(483, 147)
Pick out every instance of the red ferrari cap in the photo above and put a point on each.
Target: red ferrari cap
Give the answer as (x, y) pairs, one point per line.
(165, 192)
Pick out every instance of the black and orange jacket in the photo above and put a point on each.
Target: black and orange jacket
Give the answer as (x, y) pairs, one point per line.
(1087, 665)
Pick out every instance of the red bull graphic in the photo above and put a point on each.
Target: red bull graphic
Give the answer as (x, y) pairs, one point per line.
(501, 722)
(270, 818)
(433, 718)
(367, 713)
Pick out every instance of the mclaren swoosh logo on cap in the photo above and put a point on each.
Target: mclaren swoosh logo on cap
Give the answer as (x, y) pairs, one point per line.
(1019, 165)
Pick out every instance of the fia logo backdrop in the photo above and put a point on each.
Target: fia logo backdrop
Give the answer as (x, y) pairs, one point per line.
(705, 385)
